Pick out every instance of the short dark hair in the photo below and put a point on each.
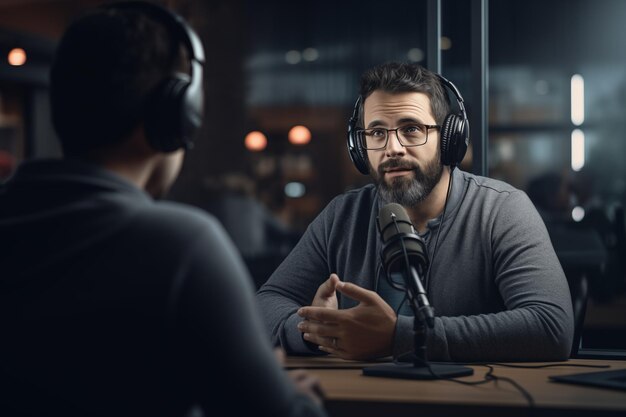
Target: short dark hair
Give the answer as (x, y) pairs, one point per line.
(105, 68)
(396, 77)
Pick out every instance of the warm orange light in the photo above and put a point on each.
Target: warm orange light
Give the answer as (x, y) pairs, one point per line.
(255, 141)
(17, 57)
(299, 135)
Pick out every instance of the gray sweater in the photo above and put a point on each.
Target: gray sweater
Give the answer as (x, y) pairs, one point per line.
(495, 282)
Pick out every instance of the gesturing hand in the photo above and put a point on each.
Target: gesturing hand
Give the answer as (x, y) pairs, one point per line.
(362, 332)
(326, 295)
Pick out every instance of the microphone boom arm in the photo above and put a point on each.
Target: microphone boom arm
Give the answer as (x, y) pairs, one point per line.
(419, 301)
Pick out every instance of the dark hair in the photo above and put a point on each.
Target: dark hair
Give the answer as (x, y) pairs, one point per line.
(105, 68)
(395, 77)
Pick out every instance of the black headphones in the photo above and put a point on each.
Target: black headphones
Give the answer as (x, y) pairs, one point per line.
(174, 110)
(454, 134)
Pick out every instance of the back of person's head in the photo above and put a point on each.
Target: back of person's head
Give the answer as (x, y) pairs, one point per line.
(395, 77)
(106, 67)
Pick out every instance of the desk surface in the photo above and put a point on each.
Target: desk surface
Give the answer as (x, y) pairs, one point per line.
(349, 393)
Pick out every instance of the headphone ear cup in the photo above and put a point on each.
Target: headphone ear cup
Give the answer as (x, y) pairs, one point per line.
(163, 121)
(358, 155)
(454, 139)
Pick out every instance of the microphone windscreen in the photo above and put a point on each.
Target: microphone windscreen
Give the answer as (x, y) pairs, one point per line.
(386, 224)
(399, 239)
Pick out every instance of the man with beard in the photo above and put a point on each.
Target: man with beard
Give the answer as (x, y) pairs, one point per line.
(497, 287)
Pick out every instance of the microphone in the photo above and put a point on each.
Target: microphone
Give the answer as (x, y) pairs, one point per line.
(404, 252)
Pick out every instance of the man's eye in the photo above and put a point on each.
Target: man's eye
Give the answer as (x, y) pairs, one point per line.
(413, 129)
(377, 133)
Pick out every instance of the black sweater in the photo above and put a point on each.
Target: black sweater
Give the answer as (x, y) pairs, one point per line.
(114, 304)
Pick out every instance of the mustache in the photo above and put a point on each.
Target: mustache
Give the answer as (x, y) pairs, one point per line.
(397, 164)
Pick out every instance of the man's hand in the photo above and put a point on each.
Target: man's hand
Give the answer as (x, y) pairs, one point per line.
(362, 332)
(326, 295)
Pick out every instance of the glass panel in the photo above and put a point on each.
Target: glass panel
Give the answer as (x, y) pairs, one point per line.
(556, 130)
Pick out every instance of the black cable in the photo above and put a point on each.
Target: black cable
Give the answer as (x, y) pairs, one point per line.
(549, 365)
(401, 304)
(394, 285)
(443, 215)
(489, 376)
(529, 398)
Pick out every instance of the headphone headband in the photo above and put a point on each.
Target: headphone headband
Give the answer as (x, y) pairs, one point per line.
(455, 91)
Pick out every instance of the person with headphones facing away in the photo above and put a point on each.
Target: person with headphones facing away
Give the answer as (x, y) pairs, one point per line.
(112, 303)
(496, 285)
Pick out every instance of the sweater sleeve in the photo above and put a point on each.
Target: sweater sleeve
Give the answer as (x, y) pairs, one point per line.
(537, 322)
(294, 284)
(222, 339)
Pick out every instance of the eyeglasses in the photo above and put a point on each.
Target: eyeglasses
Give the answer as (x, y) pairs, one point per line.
(410, 135)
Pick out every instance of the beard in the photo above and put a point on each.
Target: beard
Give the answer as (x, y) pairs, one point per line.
(408, 190)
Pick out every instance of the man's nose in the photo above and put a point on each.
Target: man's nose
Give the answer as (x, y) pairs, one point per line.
(394, 147)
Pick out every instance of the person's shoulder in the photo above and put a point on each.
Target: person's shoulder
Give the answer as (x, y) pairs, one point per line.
(176, 219)
(348, 205)
(486, 184)
(497, 197)
(356, 196)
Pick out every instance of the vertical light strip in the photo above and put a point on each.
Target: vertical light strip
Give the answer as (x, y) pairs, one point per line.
(578, 149)
(578, 99)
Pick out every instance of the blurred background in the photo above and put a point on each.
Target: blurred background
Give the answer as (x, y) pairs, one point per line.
(281, 81)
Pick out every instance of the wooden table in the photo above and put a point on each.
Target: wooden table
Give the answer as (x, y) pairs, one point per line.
(349, 393)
